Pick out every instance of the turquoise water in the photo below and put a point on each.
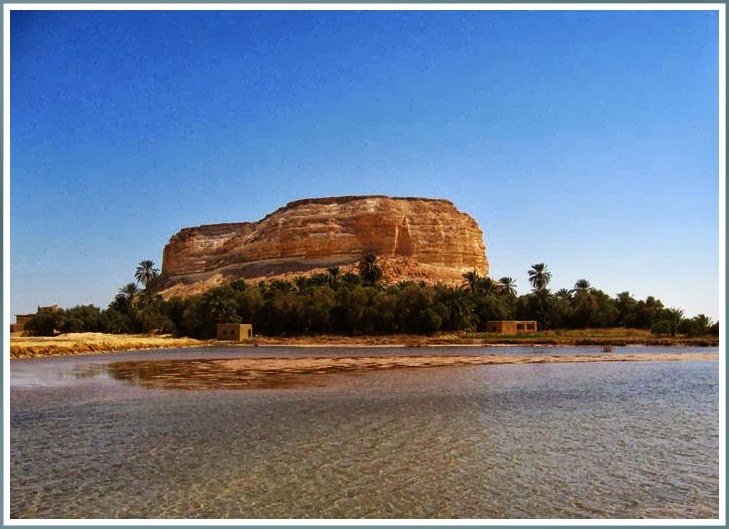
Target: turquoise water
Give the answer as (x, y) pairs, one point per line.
(596, 440)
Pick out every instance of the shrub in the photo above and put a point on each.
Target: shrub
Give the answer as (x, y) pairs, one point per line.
(44, 323)
(661, 327)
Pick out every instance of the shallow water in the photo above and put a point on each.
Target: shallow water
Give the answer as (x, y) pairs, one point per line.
(617, 440)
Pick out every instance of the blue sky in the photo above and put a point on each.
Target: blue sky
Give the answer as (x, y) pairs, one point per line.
(586, 140)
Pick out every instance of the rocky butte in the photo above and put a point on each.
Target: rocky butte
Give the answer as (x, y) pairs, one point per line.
(419, 239)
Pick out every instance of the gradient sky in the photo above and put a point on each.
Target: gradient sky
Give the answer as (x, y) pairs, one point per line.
(586, 140)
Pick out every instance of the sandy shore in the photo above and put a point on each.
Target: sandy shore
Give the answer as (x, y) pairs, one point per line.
(364, 363)
(84, 343)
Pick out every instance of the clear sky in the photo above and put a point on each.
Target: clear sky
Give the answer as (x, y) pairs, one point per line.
(586, 140)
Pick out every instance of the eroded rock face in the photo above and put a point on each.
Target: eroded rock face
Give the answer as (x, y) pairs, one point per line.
(430, 237)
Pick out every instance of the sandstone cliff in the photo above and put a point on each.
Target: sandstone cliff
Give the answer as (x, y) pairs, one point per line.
(416, 238)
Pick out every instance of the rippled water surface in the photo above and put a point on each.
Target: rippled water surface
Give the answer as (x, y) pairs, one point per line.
(617, 440)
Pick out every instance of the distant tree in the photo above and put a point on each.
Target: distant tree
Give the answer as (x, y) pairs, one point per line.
(115, 322)
(222, 305)
(44, 323)
(507, 285)
(626, 305)
(239, 284)
(541, 306)
(661, 327)
(647, 312)
(334, 274)
(301, 283)
(249, 303)
(487, 286)
(582, 284)
(564, 294)
(82, 318)
(584, 308)
(129, 291)
(369, 269)
(317, 304)
(539, 276)
(703, 323)
(150, 317)
(279, 286)
(471, 280)
(350, 278)
(146, 273)
(479, 285)
(673, 316)
(492, 307)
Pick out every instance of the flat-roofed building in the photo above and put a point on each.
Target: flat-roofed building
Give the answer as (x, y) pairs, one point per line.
(22, 319)
(235, 331)
(511, 326)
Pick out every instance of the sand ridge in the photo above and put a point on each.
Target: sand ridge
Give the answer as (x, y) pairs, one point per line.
(272, 373)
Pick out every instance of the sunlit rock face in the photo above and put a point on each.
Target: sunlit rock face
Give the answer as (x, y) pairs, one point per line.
(415, 238)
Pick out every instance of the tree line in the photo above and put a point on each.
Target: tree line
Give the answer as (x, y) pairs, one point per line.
(361, 303)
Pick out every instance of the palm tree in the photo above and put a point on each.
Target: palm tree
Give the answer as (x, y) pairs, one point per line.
(674, 317)
(129, 291)
(222, 308)
(471, 280)
(563, 293)
(507, 285)
(582, 284)
(369, 269)
(704, 323)
(301, 283)
(127, 298)
(146, 273)
(539, 276)
(333, 278)
(280, 286)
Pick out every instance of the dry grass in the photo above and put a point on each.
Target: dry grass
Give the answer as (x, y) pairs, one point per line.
(92, 342)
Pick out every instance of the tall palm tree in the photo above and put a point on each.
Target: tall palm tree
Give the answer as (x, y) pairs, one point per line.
(369, 269)
(582, 284)
(539, 276)
(146, 273)
(507, 285)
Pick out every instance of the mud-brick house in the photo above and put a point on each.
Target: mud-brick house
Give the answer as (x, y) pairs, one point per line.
(234, 331)
(22, 319)
(511, 327)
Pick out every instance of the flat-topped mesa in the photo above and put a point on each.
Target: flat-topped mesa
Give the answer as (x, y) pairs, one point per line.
(427, 239)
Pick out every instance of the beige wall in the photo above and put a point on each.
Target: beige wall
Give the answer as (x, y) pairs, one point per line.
(511, 327)
(234, 331)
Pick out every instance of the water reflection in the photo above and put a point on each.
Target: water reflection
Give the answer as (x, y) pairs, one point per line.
(549, 440)
(286, 372)
(193, 375)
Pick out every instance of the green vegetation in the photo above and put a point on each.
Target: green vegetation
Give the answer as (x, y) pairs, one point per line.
(333, 302)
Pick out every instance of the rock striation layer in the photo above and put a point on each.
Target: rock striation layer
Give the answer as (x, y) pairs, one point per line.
(420, 238)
